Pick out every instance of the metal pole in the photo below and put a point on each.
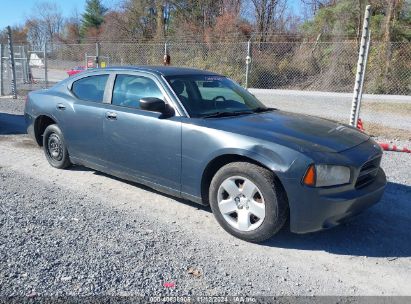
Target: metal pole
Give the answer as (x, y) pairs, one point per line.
(367, 50)
(247, 63)
(12, 64)
(46, 76)
(1, 71)
(97, 55)
(28, 66)
(24, 64)
(20, 59)
(166, 57)
(359, 78)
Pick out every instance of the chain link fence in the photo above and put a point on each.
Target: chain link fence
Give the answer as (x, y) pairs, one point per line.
(21, 67)
(307, 66)
(302, 68)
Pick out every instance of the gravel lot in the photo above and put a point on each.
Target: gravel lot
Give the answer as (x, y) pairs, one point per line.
(80, 232)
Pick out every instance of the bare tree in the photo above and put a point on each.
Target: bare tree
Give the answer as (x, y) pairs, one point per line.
(35, 33)
(392, 10)
(45, 24)
(269, 17)
(72, 28)
(232, 7)
(315, 5)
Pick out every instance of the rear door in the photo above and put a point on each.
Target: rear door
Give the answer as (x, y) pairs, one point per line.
(83, 118)
(141, 143)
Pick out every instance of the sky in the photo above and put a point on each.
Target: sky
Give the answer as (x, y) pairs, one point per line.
(14, 12)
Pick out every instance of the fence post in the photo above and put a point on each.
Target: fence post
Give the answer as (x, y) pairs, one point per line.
(361, 65)
(23, 65)
(46, 76)
(247, 64)
(26, 65)
(1, 71)
(166, 58)
(97, 55)
(12, 64)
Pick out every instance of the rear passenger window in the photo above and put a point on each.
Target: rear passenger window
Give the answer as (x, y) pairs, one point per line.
(129, 89)
(90, 88)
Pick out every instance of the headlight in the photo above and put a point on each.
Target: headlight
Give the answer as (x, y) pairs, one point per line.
(326, 175)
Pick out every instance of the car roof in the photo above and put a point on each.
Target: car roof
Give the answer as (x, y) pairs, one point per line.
(163, 70)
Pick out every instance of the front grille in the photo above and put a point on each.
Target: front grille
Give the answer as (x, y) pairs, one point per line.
(368, 172)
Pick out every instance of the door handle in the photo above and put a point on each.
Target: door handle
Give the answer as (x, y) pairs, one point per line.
(60, 106)
(111, 115)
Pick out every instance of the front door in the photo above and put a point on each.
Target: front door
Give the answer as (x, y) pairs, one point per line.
(138, 142)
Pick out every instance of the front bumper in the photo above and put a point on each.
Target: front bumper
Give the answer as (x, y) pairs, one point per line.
(320, 209)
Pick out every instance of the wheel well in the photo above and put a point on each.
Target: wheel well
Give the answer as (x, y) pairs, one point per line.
(41, 123)
(223, 160)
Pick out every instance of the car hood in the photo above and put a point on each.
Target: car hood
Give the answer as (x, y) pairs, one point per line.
(300, 132)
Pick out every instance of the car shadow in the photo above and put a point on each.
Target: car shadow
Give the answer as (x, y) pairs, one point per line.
(381, 231)
(12, 124)
(141, 186)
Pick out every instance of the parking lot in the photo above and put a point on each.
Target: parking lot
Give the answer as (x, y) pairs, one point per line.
(80, 232)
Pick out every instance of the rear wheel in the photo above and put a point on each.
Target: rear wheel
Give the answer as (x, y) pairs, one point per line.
(55, 148)
(246, 201)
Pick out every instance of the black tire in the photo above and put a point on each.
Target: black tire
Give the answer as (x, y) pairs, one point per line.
(55, 148)
(276, 206)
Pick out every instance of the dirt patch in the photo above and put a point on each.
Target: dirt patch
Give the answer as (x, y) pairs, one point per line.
(375, 129)
(382, 107)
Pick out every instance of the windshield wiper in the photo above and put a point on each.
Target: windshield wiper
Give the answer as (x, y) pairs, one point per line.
(226, 113)
(261, 109)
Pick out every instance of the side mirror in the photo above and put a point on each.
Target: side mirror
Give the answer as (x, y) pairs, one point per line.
(153, 104)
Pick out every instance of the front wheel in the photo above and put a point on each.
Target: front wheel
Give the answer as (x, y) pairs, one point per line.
(55, 148)
(247, 202)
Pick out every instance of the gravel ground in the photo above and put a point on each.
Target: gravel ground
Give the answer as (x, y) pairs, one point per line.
(80, 232)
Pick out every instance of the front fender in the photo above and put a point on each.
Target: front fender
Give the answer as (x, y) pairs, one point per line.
(203, 145)
(270, 159)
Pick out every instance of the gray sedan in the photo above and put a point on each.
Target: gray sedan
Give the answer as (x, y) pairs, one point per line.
(200, 136)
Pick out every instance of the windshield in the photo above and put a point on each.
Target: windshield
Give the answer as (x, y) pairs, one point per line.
(204, 96)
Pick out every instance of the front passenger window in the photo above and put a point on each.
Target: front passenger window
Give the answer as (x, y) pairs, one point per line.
(129, 89)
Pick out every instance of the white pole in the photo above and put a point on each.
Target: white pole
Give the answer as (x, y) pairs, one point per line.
(247, 64)
(357, 114)
(1, 70)
(359, 78)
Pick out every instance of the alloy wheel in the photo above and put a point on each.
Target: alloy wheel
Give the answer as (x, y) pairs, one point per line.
(241, 203)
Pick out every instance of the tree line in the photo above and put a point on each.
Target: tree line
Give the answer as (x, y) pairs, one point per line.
(214, 21)
(317, 57)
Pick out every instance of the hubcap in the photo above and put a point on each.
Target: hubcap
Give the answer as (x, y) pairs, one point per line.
(241, 203)
(54, 148)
